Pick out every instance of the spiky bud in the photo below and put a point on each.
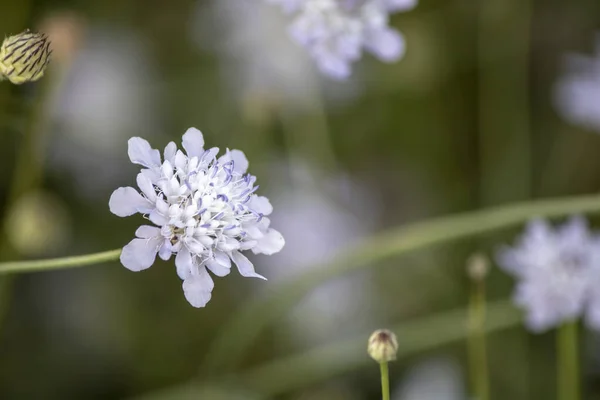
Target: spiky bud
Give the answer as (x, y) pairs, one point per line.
(383, 346)
(24, 57)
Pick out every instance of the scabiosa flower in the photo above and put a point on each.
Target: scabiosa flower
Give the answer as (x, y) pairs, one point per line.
(24, 57)
(336, 31)
(205, 210)
(558, 271)
(577, 92)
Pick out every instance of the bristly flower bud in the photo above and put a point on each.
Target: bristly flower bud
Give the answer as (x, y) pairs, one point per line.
(24, 57)
(383, 346)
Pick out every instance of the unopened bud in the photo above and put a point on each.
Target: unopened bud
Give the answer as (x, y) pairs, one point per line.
(478, 266)
(383, 346)
(24, 57)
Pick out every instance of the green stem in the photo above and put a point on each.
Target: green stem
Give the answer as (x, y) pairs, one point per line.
(385, 381)
(237, 335)
(568, 362)
(478, 367)
(59, 263)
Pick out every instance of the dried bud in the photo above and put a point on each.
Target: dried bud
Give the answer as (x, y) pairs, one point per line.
(383, 346)
(478, 266)
(24, 57)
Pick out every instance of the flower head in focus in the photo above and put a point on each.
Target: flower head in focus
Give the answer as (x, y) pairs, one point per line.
(335, 31)
(558, 271)
(205, 210)
(24, 57)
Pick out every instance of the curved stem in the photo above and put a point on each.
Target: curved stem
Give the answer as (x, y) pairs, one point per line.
(59, 263)
(237, 336)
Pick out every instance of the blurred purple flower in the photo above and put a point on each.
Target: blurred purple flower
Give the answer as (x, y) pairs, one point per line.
(204, 209)
(577, 93)
(335, 31)
(558, 271)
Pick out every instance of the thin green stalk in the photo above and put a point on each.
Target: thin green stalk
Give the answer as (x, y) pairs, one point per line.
(323, 363)
(568, 362)
(59, 263)
(385, 381)
(478, 367)
(237, 335)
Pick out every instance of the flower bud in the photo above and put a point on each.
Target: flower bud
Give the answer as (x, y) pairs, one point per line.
(478, 266)
(383, 346)
(24, 57)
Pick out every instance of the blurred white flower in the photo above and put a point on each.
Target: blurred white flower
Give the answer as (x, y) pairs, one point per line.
(432, 379)
(557, 271)
(205, 210)
(260, 63)
(101, 100)
(335, 32)
(577, 92)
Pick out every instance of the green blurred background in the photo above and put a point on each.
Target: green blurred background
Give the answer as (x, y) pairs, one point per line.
(466, 120)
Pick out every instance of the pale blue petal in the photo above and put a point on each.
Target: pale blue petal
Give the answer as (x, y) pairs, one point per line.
(386, 44)
(260, 204)
(126, 201)
(272, 242)
(240, 162)
(141, 153)
(198, 287)
(145, 184)
(193, 142)
(244, 265)
(147, 232)
(184, 263)
(139, 254)
(170, 151)
(216, 268)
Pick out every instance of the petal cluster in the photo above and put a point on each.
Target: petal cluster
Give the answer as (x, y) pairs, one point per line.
(557, 271)
(204, 210)
(335, 32)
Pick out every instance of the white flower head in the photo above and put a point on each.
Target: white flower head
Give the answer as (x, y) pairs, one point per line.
(558, 271)
(335, 31)
(205, 210)
(577, 92)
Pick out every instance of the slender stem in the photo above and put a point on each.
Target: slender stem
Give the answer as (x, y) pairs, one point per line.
(568, 362)
(478, 367)
(59, 263)
(385, 381)
(237, 335)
